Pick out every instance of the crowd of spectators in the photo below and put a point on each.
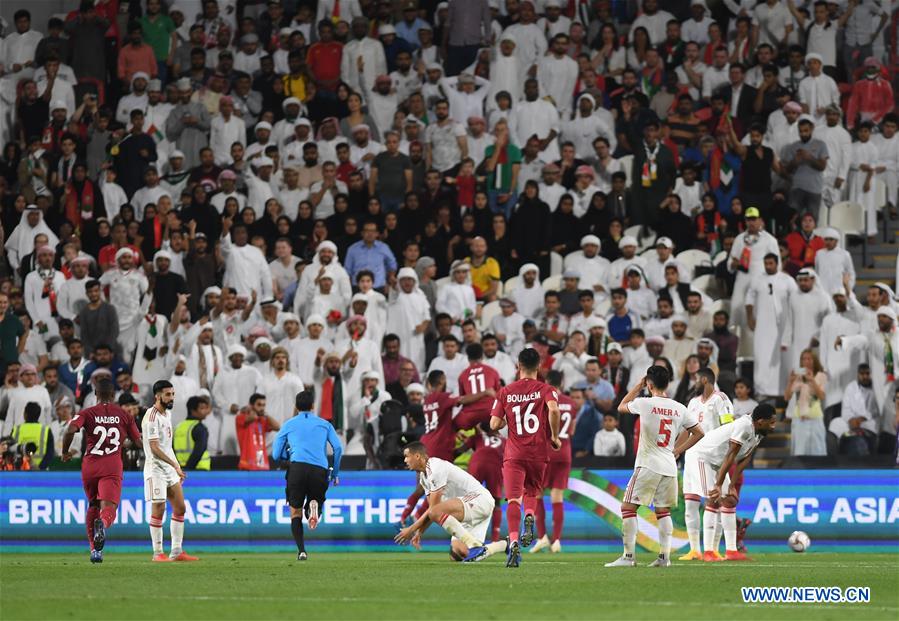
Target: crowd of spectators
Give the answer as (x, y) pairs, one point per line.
(248, 198)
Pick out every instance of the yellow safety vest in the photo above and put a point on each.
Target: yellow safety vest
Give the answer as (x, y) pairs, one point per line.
(183, 443)
(33, 432)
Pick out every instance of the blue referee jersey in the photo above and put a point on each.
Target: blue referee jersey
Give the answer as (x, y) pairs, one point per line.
(307, 437)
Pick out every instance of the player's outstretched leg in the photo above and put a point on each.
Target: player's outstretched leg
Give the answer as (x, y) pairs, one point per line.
(691, 516)
(530, 521)
(542, 539)
(156, 518)
(296, 529)
(176, 525)
(666, 528)
(729, 523)
(93, 512)
(709, 523)
(513, 519)
(486, 551)
(558, 519)
(628, 535)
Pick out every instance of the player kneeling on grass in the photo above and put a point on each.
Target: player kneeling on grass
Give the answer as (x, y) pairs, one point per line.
(457, 502)
(105, 426)
(163, 474)
(706, 472)
(654, 481)
(304, 440)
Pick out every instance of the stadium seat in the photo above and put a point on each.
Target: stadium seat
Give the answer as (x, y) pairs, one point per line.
(648, 241)
(849, 219)
(510, 285)
(627, 164)
(720, 305)
(692, 258)
(703, 284)
(555, 263)
(553, 283)
(490, 310)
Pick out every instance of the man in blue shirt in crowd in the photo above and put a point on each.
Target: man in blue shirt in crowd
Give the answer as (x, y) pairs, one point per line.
(373, 255)
(304, 440)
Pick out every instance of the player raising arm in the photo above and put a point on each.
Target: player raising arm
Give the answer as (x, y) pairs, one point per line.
(531, 409)
(162, 474)
(105, 425)
(457, 502)
(654, 481)
(712, 459)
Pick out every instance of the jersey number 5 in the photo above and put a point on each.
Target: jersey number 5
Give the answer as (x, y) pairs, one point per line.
(664, 432)
(531, 422)
(111, 434)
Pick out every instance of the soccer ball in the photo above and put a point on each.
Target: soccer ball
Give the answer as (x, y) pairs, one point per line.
(799, 541)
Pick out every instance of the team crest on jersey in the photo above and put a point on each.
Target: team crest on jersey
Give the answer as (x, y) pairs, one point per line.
(156, 491)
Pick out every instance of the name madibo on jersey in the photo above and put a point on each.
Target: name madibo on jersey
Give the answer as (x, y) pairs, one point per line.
(661, 421)
(105, 428)
(523, 405)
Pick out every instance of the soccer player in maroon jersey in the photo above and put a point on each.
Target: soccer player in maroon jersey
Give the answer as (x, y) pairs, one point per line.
(486, 466)
(477, 378)
(440, 429)
(531, 410)
(105, 426)
(557, 471)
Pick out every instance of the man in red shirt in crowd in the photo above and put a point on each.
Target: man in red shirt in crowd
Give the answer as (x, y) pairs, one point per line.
(252, 425)
(110, 252)
(531, 410)
(558, 470)
(477, 378)
(323, 58)
(804, 244)
(105, 426)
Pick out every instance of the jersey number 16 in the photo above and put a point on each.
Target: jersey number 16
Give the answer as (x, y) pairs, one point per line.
(531, 421)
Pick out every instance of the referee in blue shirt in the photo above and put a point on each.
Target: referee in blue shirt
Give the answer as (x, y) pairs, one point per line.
(304, 440)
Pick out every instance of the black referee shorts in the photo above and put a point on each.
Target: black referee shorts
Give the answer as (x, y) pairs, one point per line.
(305, 482)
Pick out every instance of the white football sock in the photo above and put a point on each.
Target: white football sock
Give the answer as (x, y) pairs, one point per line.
(691, 516)
(156, 534)
(709, 522)
(495, 548)
(629, 533)
(729, 523)
(176, 527)
(666, 528)
(455, 528)
(718, 531)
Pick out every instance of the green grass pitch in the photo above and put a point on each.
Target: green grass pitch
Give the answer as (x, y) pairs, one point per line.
(427, 585)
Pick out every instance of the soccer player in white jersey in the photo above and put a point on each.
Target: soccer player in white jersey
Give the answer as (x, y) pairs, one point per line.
(712, 409)
(709, 463)
(163, 474)
(654, 481)
(456, 501)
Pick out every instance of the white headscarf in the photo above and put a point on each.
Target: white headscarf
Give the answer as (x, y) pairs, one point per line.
(21, 241)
